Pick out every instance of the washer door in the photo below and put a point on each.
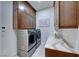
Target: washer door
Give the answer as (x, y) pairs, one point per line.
(31, 38)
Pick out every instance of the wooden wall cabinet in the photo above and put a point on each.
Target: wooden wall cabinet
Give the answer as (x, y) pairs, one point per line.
(77, 12)
(68, 14)
(26, 16)
(15, 7)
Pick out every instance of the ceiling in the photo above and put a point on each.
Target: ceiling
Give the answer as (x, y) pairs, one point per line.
(38, 5)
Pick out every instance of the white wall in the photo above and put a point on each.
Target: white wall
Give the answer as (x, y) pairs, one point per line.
(45, 14)
(0, 28)
(70, 35)
(9, 42)
(77, 40)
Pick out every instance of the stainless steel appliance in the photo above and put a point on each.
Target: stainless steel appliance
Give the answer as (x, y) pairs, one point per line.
(38, 35)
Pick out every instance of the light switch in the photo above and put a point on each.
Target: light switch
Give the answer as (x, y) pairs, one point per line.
(3, 29)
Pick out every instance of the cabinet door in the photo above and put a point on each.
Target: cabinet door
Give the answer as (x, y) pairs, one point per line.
(77, 12)
(34, 22)
(67, 14)
(15, 7)
(24, 21)
(28, 8)
(26, 16)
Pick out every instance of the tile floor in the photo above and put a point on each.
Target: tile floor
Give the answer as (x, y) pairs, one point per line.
(40, 51)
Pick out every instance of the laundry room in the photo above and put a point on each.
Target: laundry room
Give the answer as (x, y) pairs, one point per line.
(37, 29)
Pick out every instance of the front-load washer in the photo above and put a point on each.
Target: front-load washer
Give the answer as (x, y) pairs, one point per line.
(26, 42)
(31, 41)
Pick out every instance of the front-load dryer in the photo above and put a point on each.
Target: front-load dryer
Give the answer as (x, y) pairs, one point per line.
(38, 36)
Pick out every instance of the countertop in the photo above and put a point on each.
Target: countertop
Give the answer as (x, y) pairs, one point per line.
(58, 44)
